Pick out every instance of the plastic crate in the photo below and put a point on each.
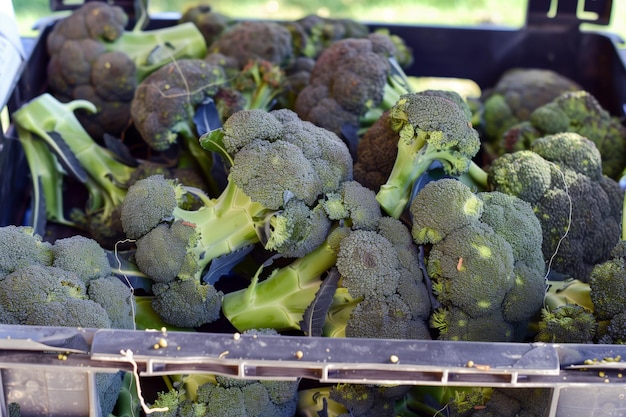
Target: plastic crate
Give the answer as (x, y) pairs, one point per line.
(52, 370)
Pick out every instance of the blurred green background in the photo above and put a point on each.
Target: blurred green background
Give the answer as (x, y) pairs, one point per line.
(439, 12)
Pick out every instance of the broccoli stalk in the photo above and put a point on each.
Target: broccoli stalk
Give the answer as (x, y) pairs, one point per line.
(431, 128)
(46, 120)
(280, 300)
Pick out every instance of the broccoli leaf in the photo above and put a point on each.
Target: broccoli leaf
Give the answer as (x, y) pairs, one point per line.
(207, 118)
(315, 314)
(66, 157)
(222, 265)
(120, 150)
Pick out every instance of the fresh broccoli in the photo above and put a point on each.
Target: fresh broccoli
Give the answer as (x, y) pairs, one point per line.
(198, 395)
(116, 298)
(93, 57)
(381, 291)
(579, 112)
(49, 130)
(280, 168)
(210, 23)
(522, 402)
(255, 40)
(368, 400)
(350, 77)
(83, 256)
(569, 323)
(466, 241)
(430, 128)
(20, 247)
(579, 208)
(186, 303)
(513, 98)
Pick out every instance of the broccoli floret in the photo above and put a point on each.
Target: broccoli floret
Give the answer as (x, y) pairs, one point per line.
(83, 256)
(569, 323)
(578, 207)
(20, 246)
(354, 203)
(116, 298)
(488, 234)
(164, 103)
(255, 40)
(186, 303)
(516, 94)
(274, 177)
(578, 112)
(47, 122)
(367, 400)
(430, 128)
(607, 283)
(211, 23)
(350, 77)
(376, 153)
(93, 57)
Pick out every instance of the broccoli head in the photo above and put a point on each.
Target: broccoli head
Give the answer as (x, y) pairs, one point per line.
(578, 207)
(83, 256)
(350, 77)
(578, 112)
(569, 323)
(93, 57)
(516, 94)
(20, 246)
(430, 128)
(483, 257)
(211, 23)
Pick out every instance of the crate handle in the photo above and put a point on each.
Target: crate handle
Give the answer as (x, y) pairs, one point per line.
(568, 13)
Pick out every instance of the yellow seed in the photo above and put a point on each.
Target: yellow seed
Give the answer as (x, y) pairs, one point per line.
(470, 364)
(237, 336)
(162, 343)
(299, 354)
(394, 359)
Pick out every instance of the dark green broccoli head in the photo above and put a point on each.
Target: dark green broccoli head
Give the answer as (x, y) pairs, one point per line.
(83, 256)
(454, 324)
(318, 32)
(569, 323)
(578, 112)
(164, 103)
(116, 298)
(616, 329)
(349, 77)
(255, 40)
(211, 23)
(186, 303)
(460, 264)
(607, 283)
(376, 153)
(517, 93)
(20, 246)
(71, 312)
(367, 400)
(442, 207)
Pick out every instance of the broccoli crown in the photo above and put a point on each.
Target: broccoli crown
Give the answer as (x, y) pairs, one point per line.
(94, 57)
(349, 78)
(164, 103)
(255, 40)
(378, 268)
(367, 400)
(83, 256)
(116, 298)
(516, 94)
(569, 323)
(431, 217)
(579, 112)
(376, 153)
(431, 128)
(607, 284)
(579, 208)
(487, 234)
(186, 303)
(20, 246)
(210, 22)
(354, 203)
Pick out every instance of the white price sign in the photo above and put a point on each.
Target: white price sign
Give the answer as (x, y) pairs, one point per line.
(12, 55)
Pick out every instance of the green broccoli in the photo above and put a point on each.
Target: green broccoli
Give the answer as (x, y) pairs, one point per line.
(368, 400)
(513, 98)
(93, 57)
(579, 208)
(20, 247)
(116, 298)
(211, 23)
(568, 323)
(522, 402)
(430, 128)
(280, 168)
(578, 112)
(50, 132)
(381, 292)
(186, 303)
(198, 395)
(83, 256)
(350, 77)
(255, 40)
(468, 237)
